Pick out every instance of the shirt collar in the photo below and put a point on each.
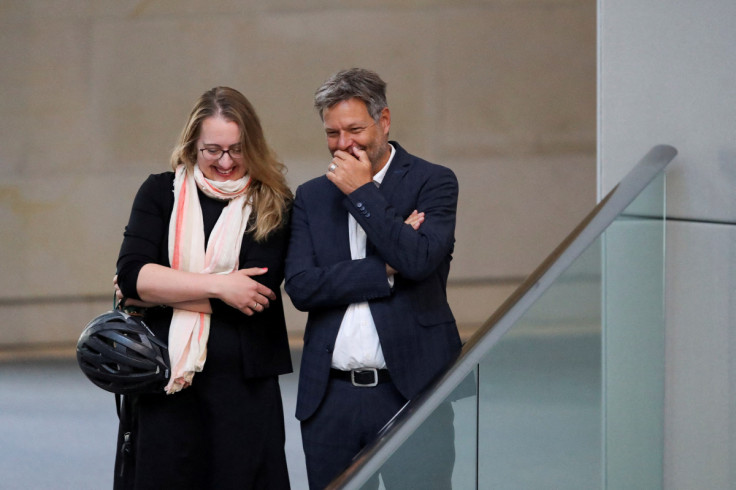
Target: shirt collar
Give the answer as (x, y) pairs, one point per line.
(378, 178)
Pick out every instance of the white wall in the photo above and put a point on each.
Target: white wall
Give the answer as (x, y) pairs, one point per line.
(667, 74)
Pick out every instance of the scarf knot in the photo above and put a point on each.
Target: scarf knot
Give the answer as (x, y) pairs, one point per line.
(223, 191)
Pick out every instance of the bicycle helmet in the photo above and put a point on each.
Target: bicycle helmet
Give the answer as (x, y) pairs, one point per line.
(120, 354)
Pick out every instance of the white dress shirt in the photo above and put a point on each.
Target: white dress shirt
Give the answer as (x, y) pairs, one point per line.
(357, 344)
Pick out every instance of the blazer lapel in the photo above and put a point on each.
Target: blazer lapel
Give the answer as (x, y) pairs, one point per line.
(341, 235)
(391, 181)
(336, 233)
(396, 172)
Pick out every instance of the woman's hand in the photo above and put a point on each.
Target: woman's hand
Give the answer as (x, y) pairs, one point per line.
(118, 294)
(240, 291)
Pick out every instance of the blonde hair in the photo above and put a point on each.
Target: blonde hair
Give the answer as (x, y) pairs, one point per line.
(268, 190)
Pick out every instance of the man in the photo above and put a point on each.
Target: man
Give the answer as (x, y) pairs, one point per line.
(369, 256)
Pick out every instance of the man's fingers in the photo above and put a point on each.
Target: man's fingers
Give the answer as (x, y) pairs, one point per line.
(342, 155)
(360, 154)
(415, 219)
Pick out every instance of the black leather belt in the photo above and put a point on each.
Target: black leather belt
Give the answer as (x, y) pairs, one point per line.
(365, 377)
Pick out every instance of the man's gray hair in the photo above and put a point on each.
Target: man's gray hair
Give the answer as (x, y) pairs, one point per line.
(358, 83)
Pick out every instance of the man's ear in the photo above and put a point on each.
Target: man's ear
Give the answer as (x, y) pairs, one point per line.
(385, 120)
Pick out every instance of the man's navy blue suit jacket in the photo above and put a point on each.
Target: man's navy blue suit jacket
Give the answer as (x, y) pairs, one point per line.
(415, 325)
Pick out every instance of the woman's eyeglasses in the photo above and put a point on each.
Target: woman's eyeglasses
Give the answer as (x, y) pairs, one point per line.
(213, 153)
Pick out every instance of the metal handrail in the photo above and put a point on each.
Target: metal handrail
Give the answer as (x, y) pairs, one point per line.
(416, 411)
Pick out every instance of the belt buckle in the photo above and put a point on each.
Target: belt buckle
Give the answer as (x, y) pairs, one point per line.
(364, 370)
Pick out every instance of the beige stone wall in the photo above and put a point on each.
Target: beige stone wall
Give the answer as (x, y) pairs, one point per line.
(94, 93)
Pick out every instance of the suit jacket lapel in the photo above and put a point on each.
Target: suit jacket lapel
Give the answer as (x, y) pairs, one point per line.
(339, 236)
(399, 166)
(396, 171)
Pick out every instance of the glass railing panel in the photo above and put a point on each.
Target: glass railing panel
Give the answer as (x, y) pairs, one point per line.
(442, 451)
(465, 406)
(540, 390)
(633, 333)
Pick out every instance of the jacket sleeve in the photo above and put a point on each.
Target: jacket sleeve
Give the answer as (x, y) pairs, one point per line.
(415, 254)
(315, 281)
(146, 233)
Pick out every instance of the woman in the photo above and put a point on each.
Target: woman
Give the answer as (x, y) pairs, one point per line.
(203, 256)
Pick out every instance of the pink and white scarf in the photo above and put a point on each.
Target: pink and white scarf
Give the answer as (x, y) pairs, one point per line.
(189, 330)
